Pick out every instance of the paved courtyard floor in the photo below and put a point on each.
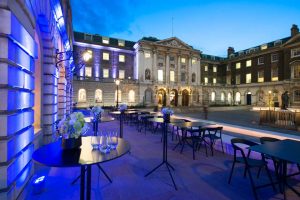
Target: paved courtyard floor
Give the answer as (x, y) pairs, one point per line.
(203, 178)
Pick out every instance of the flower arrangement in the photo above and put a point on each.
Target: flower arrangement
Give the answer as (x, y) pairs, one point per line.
(96, 111)
(123, 107)
(167, 111)
(72, 126)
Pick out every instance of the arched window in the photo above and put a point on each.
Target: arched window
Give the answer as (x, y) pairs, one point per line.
(296, 95)
(98, 96)
(229, 98)
(213, 96)
(147, 74)
(119, 96)
(81, 95)
(238, 97)
(222, 96)
(131, 96)
(193, 78)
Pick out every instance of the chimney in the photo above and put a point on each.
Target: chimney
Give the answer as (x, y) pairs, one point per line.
(230, 50)
(294, 30)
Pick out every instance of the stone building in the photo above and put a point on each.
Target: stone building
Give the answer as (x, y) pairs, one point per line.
(168, 72)
(34, 91)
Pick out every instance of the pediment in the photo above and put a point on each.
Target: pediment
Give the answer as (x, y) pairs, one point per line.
(174, 42)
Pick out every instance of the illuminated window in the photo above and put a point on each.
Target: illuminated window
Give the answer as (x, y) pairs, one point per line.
(260, 61)
(215, 69)
(98, 96)
(238, 79)
(260, 76)
(160, 75)
(182, 60)
(214, 80)
(264, 46)
(229, 97)
(121, 43)
(172, 76)
(105, 40)
(296, 95)
(88, 37)
(238, 65)
(248, 63)
(82, 95)
(205, 80)
(194, 60)
(105, 73)
(119, 96)
(222, 96)
(88, 72)
(105, 56)
(274, 57)
(206, 68)
(248, 78)
(147, 55)
(121, 58)
(238, 97)
(213, 96)
(131, 96)
(295, 53)
(121, 74)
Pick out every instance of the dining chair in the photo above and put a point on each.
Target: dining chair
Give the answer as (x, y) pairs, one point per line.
(249, 162)
(214, 134)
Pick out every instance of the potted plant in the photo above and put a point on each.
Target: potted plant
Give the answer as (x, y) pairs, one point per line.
(167, 112)
(96, 112)
(71, 128)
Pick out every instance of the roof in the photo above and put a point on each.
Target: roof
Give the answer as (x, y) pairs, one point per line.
(211, 57)
(97, 39)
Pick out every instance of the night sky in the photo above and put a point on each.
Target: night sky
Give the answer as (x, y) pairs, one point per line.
(208, 25)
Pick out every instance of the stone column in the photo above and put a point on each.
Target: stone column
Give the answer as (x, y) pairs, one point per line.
(154, 66)
(167, 71)
(189, 71)
(62, 94)
(178, 69)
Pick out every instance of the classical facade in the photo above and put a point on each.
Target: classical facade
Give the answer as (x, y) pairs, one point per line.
(34, 91)
(172, 73)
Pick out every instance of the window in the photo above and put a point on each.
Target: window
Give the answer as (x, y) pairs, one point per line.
(98, 96)
(88, 37)
(213, 96)
(214, 80)
(105, 40)
(206, 68)
(260, 60)
(295, 53)
(248, 78)
(274, 57)
(105, 56)
(147, 74)
(81, 95)
(260, 76)
(182, 60)
(238, 65)
(229, 97)
(172, 66)
(296, 67)
(248, 63)
(228, 68)
(238, 97)
(88, 72)
(147, 55)
(228, 79)
(172, 76)
(160, 75)
(222, 97)
(182, 77)
(194, 60)
(105, 73)
(121, 58)
(131, 96)
(238, 79)
(274, 74)
(172, 58)
(205, 80)
(263, 47)
(121, 74)
(277, 42)
(214, 68)
(121, 43)
(193, 78)
(119, 96)
(296, 95)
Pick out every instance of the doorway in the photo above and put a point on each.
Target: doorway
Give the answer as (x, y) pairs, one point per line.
(162, 97)
(248, 98)
(185, 98)
(173, 97)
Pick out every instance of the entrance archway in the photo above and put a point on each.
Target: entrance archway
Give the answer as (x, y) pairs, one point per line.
(249, 98)
(161, 95)
(174, 97)
(185, 97)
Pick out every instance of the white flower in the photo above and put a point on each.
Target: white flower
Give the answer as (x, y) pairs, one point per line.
(123, 107)
(167, 111)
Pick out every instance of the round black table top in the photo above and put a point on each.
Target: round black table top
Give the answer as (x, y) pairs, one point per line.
(127, 112)
(161, 120)
(53, 155)
(192, 124)
(102, 119)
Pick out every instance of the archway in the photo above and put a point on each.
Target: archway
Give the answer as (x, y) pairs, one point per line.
(185, 97)
(248, 98)
(162, 99)
(174, 97)
(148, 95)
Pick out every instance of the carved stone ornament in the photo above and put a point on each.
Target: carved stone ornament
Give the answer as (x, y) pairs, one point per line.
(173, 43)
